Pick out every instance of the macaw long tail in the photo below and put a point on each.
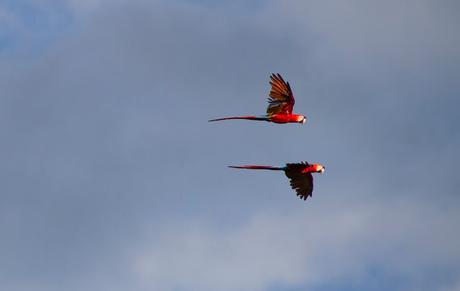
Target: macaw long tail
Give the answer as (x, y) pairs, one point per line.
(250, 167)
(240, 117)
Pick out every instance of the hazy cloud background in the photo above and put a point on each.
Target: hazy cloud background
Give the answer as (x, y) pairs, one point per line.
(111, 178)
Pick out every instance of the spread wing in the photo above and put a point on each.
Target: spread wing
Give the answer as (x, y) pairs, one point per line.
(302, 183)
(281, 100)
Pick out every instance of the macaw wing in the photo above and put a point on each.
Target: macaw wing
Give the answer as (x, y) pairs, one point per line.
(302, 183)
(280, 100)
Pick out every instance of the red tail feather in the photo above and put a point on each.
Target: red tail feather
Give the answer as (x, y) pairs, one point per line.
(240, 117)
(251, 167)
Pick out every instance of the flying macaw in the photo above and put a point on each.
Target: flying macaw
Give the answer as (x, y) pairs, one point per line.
(280, 104)
(299, 174)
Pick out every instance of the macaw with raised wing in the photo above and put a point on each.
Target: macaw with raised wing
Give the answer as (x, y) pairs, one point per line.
(280, 105)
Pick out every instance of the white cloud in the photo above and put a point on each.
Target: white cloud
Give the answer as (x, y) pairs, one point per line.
(310, 246)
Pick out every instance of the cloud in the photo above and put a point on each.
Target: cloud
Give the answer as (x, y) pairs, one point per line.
(113, 179)
(302, 248)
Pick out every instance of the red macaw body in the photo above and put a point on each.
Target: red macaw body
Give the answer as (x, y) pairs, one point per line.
(280, 104)
(287, 118)
(299, 174)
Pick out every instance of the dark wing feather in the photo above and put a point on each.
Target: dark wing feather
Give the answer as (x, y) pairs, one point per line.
(302, 183)
(281, 100)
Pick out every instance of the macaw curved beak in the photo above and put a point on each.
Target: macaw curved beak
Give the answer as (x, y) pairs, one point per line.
(304, 120)
(321, 171)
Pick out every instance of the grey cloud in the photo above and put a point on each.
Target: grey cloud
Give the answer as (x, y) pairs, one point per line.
(109, 167)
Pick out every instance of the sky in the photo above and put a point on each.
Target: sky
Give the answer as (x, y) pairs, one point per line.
(112, 178)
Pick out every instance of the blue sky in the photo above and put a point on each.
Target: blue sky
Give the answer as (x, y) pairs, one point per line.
(29, 27)
(112, 179)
